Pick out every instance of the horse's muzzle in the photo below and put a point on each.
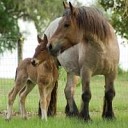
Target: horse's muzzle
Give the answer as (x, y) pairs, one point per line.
(33, 62)
(54, 50)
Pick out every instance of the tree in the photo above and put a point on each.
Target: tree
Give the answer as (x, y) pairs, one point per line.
(39, 11)
(8, 28)
(119, 15)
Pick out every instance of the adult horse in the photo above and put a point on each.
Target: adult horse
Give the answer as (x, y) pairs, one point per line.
(97, 53)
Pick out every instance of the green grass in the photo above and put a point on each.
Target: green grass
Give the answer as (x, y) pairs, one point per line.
(58, 122)
(120, 105)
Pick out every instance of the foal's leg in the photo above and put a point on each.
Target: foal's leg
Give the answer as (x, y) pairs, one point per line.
(9, 106)
(43, 101)
(12, 95)
(71, 108)
(109, 95)
(86, 95)
(23, 95)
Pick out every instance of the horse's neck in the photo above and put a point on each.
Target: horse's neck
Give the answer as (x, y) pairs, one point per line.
(69, 59)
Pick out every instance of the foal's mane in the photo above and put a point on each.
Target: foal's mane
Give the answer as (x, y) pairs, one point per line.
(93, 22)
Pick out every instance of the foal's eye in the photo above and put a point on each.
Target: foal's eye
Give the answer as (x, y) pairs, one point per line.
(66, 25)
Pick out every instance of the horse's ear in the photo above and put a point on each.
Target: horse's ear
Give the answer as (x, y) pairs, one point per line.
(65, 4)
(72, 9)
(39, 39)
(45, 39)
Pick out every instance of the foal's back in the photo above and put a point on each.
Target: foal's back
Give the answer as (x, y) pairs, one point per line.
(26, 71)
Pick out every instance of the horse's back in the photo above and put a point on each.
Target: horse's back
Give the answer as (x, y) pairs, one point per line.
(100, 58)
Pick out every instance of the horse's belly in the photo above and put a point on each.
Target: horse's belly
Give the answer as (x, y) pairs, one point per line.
(69, 67)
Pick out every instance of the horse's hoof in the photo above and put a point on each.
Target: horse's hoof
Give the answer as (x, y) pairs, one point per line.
(85, 117)
(25, 118)
(72, 114)
(108, 116)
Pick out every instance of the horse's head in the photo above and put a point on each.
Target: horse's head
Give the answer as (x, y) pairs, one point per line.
(41, 53)
(67, 33)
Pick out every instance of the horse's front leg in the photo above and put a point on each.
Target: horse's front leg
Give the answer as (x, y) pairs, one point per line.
(86, 95)
(109, 95)
(71, 108)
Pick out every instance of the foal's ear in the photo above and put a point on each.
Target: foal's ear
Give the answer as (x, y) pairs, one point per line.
(72, 9)
(45, 39)
(65, 4)
(39, 39)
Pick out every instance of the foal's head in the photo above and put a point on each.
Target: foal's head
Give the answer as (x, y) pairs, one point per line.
(41, 53)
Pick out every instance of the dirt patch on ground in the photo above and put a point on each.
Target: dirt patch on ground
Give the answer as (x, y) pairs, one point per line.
(29, 114)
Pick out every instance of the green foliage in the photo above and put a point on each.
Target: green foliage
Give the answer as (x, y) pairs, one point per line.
(39, 11)
(120, 70)
(8, 28)
(119, 15)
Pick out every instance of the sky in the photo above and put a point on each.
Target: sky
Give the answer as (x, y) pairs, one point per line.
(8, 62)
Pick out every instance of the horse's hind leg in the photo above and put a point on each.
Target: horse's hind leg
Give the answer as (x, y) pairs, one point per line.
(9, 106)
(28, 88)
(11, 97)
(109, 95)
(71, 108)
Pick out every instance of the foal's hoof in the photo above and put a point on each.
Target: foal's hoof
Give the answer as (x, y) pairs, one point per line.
(7, 119)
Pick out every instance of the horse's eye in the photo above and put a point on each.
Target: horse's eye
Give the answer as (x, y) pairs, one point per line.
(66, 25)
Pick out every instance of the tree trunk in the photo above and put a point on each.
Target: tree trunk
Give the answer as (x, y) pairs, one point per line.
(20, 49)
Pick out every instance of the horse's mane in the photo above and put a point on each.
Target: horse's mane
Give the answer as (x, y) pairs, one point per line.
(93, 22)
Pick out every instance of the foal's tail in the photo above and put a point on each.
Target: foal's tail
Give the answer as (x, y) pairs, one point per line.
(15, 81)
(53, 102)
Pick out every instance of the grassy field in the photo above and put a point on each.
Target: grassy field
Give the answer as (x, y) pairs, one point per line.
(120, 105)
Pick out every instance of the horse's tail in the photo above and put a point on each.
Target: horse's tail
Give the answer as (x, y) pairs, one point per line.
(53, 102)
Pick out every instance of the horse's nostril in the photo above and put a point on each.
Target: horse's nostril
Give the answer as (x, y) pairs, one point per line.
(33, 62)
(50, 47)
